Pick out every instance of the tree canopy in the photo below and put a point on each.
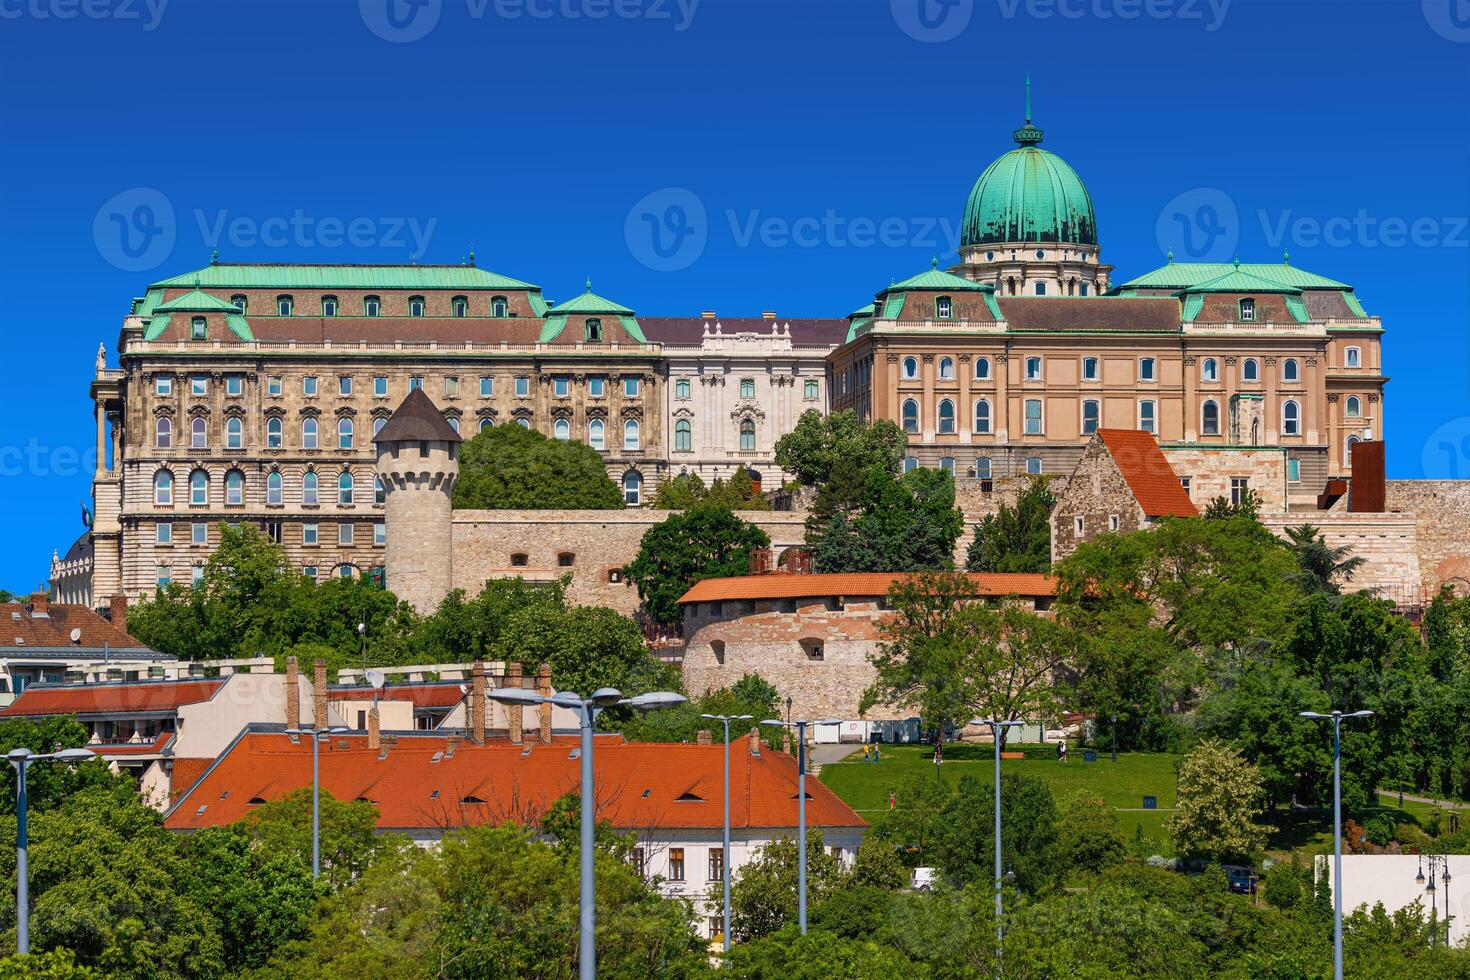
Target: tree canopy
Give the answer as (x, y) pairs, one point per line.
(687, 490)
(510, 467)
(1015, 538)
(812, 451)
(705, 542)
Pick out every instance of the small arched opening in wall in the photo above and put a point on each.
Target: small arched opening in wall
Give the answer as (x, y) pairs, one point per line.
(717, 648)
(814, 648)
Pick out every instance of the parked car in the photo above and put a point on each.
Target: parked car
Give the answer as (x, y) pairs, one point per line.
(1242, 879)
(922, 879)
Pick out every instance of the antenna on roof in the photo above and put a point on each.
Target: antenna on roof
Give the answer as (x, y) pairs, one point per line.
(76, 634)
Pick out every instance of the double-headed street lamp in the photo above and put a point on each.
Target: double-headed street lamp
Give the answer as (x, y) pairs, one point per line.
(317, 736)
(1336, 718)
(800, 727)
(587, 711)
(997, 727)
(1437, 862)
(22, 759)
(725, 841)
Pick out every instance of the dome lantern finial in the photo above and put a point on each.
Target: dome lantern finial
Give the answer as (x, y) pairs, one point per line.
(1171, 256)
(1027, 135)
(1286, 257)
(1028, 98)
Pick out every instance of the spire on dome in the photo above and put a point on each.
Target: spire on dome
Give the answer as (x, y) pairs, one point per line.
(1027, 135)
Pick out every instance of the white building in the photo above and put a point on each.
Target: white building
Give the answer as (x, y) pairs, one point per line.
(1395, 881)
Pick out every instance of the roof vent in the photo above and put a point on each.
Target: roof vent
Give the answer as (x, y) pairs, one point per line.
(202, 808)
(647, 791)
(692, 797)
(436, 757)
(225, 795)
(474, 800)
(20, 641)
(525, 751)
(434, 795)
(574, 754)
(254, 801)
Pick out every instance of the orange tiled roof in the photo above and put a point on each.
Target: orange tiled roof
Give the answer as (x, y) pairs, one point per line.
(416, 785)
(781, 586)
(134, 748)
(446, 695)
(82, 699)
(50, 626)
(1153, 481)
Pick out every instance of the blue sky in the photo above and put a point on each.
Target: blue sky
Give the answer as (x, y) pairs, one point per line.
(734, 155)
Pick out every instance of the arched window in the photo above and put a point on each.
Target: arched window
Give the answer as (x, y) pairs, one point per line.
(1251, 370)
(498, 306)
(1348, 450)
(1290, 371)
(982, 468)
(1033, 369)
(1353, 357)
(943, 308)
(594, 331)
(1034, 421)
(1291, 419)
(308, 434)
(523, 423)
(632, 436)
(747, 436)
(982, 417)
(982, 369)
(380, 491)
(234, 433)
(1211, 419)
(163, 488)
(309, 493)
(946, 416)
(485, 423)
(163, 432)
(1147, 369)
(562, 429)
(1089, 368)
(380, 421)
(240, 301)
(683, 436)
(453, 423)
(372, 305)
(1354, 407)
(344, 487)
(946, 369)
(415, 306)
(198, 433)
(274, 433)
(234, 488)
(198, 488)
(1090, 414)
(910, 464)
(632, 488)
(273, 493)
(595, 435)
(1211, 371)
(946, 463)
(344, 433)
(1148, 416)
(910, 368)
(329, 306)
(461, 306)
(284, 305)
(910, 415)
(199, 329)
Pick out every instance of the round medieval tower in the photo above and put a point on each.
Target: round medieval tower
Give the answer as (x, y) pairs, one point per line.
(418, 462)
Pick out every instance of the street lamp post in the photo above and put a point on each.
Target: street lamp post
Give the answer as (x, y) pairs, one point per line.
(725, 840)
(1336, 718)
(1114, 719)
(800, 727)
(587, 711)
(22, 759)
(317, 737)
(996, 728)
(1437, 862)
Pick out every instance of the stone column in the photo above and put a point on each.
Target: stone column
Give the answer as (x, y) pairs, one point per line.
(1191, 398)
(928, 404)
(965, 410)
(101, 439)
(1001, 410)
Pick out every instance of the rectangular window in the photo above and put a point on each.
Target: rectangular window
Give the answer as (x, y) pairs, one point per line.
(308, 386)
(596, 386)
(1091, 412)
(1239, 486)
(630, 387)
(344, 533)
(1033, 416)
(1033, 369)
(164, 578)
(1146, 416)
(164, 533)
(196, 576)
(487, 387)
(747, 387)
(199, 534)
(523, 387)
(1145, 369)
(676, 864)
(344, 384)
(380, 386)
(716, 864)
(1294, 470)
(234, 384)
(561, 386)
(451, 387)
(163, 385)
(415, 383)
(309, 534)
(198, 385)
(810, 391)
(1184, 482)
(640, 862)
(1077, 525)
(1112, 522)
(309, 571)
(380, 534)
(1089, 369)
(273, 386)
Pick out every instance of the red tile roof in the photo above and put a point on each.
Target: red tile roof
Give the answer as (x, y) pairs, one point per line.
(110, 699)
(853, 584)
(53, 629)
(445, 695)
(133, 748)
(1153, 481)
(415, 785)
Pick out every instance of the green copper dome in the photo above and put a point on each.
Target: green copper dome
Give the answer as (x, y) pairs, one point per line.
(1029, 195)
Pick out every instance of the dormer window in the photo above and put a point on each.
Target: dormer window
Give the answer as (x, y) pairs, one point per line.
(943, 308)
(284, 305)
(461, 306)
(241, 301)
(1041, 289)
(415, 306)
(1354, 357)
(594, 331)
(1247, 310)
(499, 306)
(372, 306)
(198, 329)
(329, 306)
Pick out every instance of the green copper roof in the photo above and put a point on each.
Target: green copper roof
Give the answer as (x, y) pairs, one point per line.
(1029, 195)
(196, 301)
(1351, 300)
(1237, 280)
(1181, 275)
(589, 304)
(252, 276)
(938, 279)
(865, 311)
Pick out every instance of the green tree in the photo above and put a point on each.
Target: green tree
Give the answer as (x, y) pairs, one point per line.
(820, 444)
(1324, 568)
(964, 845)
(588, 647)
(47, 786)
(56, 964)
(763, 896)
(706, 542)
(348, 836)
(1015, 539)
(1221, 509)
(820, 955)
(1220, 795)
(687, 490)
(879, 523)
(1087, 836)
(510, 467)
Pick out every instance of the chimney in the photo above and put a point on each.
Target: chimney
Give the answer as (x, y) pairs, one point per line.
(374, 731)
(293, 694)
(703, 737)
(768, 315)
(786, 740)
(450, 744)
(477, 703)
(755, 742)
(513, 716)
(120, 612)
(40, 604)
(543, 688)
(709, 314)
(319, 696)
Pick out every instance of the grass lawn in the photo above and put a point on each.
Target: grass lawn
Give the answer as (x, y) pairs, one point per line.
(1123, 785)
